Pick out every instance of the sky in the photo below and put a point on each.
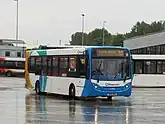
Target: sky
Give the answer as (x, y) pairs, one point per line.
(48, 21)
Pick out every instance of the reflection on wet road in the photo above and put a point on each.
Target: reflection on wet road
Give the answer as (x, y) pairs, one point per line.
(18, 106)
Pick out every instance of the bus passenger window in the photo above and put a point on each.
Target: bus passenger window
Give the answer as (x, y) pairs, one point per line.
(55, 66)
(1, 63)
(20, 65)
(49, 66)
(32, 64)
(82, 66)
(63, 66)
(72, 64)
(44, 66)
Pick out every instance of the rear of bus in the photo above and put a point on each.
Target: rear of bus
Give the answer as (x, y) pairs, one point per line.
(110, 72)
(12, 66)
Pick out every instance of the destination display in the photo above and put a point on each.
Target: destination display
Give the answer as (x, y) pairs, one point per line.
(108, 52)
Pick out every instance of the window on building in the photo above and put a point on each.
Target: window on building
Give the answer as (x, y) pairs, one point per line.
(138, 67)
(159, 67)
(149, 67)
(158, 50)
(163, 66)
(7, 53)
(18, 54)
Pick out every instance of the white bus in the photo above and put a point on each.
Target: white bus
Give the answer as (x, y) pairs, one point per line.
(80, 72)
(12, 66)
(149, 70)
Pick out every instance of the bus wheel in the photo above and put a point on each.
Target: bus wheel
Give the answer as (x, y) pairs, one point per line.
(72, 91)
(37, 88)
(109, 98)
(8, 73)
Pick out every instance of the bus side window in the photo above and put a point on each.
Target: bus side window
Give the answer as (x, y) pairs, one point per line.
(87, 69)
(72, 67)
(44, 66)
(32, 64)
(49, 66)
(1, 63)
(20, 65)
(38, 66)
(63, 66)
(55, 66)
(82, 62)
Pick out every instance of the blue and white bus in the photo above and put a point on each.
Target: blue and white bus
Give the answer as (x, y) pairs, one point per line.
(82, 71)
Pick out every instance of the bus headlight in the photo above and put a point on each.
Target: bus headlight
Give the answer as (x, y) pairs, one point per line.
(127, 85)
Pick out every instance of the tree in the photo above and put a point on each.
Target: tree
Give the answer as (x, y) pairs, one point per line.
(95, 37)
(118, 39)
(76, 39)
(142, 28)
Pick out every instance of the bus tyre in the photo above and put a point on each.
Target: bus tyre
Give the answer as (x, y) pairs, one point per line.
(109, 98)
(37, 88)
(72, 91)
(8, 73)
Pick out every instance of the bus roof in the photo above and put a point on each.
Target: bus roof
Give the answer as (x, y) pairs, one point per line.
(148, 57)
(75, 46)
(68, 51)
(12, 59)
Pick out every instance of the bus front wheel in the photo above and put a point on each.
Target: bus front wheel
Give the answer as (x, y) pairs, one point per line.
(37, 88)
(72, 91)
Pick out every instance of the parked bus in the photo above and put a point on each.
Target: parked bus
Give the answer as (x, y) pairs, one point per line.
(89, 71)
(149, 71)
(12, 66)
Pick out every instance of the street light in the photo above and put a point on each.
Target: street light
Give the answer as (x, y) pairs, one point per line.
(82, 29)
(103, 31)
(17, 21)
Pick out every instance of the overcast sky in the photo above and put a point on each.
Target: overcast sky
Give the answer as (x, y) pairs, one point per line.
(49, 21)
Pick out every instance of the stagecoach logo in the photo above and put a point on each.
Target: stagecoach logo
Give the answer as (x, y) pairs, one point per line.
(108, 84)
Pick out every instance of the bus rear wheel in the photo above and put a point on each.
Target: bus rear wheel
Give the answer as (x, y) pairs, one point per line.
(37, 88)
(8, 73)
(72, 91)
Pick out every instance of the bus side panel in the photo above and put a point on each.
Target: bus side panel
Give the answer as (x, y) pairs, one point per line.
(27, 78)
(60, 85)
(32, 79)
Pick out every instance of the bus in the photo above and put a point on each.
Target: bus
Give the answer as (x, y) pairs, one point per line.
(12, 66)
(86, 71)
(149, 71)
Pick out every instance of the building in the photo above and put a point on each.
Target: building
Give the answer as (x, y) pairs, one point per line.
(149, 44)
(12, 48)
(148, 53)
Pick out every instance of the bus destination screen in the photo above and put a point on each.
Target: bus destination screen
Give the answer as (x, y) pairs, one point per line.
(109, 52)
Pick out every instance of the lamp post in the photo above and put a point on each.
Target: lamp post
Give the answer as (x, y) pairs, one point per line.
(82, 29)
(17, 21)
(103, 31)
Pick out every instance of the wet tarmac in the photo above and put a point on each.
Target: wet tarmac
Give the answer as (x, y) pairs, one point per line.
(18, 106)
